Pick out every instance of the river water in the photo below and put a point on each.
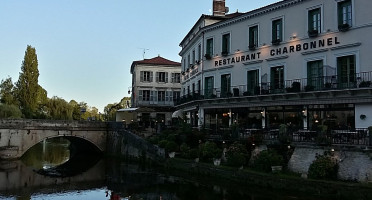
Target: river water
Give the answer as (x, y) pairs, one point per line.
(46, 173)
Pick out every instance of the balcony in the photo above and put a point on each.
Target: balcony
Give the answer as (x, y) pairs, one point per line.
(349, 137)
(288, 87)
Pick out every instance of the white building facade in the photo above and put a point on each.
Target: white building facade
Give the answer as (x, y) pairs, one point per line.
(299, 62)
(155, 87)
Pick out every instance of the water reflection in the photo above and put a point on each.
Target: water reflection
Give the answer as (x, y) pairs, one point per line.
(47, 154)
(112, 179)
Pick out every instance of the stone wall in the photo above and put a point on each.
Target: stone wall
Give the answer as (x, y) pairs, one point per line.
(354, 164)
(121, 142)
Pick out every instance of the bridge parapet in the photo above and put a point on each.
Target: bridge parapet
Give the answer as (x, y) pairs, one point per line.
(51, 124)
(17, 136)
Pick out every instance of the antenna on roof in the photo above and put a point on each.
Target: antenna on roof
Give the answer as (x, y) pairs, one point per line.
(144, 52)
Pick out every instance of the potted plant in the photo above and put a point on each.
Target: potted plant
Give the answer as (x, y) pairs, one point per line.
(328, 85)
(296, 86)
(276, 41)
(313, 33)
(365, 84)
(252, 47)
(208, 56)
(309, 88)
(343, 27)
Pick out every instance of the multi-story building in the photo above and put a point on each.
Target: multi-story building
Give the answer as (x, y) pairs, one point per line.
(155, 87)
(298, 62)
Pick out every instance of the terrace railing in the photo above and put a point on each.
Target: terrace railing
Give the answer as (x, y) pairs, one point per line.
(313, 84)
(355, 137)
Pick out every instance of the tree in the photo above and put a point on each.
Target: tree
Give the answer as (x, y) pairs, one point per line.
(110, 109)
(59, 109)
(27, 85)
(10, 111)
(75, 109)
(7, 92)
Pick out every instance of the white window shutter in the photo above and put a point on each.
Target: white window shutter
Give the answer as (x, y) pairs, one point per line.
(140, 95)
(151, 76)
(141, 76)
(166, 77)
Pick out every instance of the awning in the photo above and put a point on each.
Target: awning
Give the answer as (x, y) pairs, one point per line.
(177, 114)
(127, 110)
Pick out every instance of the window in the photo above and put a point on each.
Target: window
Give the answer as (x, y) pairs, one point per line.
(225, 85)
(162, 77)
(344, 13)
(146, 76)
(252, 82)
(198, 86)
(314, 21)
(176, 78)
(277, 79)
(188, 61)
(253, 37)
(193, 88)
(346, 71)
(161, 95)
(315, 74)
(209, 86)
(199, 53)
(184, 65)
(144, 95)
(176, 95)
(226, 44)
(209, 50)
(193, 57)
(277, 30)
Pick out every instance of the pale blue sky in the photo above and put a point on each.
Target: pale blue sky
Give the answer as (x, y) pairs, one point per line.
(85, 47)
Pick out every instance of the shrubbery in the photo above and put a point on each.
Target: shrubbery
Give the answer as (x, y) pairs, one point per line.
(324, 167)
(10, 111)
(236, 155)
(209, 150)
(266, 159)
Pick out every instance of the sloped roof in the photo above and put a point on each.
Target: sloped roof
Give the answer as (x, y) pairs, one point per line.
(154, 61)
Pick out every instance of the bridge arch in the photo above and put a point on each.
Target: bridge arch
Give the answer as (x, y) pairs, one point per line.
(68, 137)
(18, 136)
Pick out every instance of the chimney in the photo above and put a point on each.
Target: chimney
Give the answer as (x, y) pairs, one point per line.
(219, 8)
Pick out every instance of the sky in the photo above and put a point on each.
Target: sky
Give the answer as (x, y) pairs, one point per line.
(85, 47)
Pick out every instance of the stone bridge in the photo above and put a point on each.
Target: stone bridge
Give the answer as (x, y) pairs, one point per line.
(17, 136)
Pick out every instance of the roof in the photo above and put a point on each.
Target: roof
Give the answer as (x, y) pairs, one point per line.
(204, 17)
(155, 61)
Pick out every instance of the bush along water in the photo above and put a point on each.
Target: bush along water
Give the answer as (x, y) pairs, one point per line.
(236, 155)
(324, 167)
(266, 159)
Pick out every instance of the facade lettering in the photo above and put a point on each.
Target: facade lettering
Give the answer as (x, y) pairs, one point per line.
(280, 51)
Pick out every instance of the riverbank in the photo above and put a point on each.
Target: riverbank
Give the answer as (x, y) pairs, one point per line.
(278, 181)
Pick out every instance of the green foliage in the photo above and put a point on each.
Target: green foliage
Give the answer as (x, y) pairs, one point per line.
(7, 92)
(162, 143)
(209, 150)
(324, 167)
(59, 109)
(171, 146)
(322, 138)
(236, 155)
(10, 111)
(266, 159)
(110, 109)
(27, 85)
(283, 134)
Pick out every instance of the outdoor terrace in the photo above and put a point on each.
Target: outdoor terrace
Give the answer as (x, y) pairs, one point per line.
(296, 86)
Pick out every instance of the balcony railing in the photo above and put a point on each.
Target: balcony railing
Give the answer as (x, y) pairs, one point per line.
(357, 80)
(352, 137)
